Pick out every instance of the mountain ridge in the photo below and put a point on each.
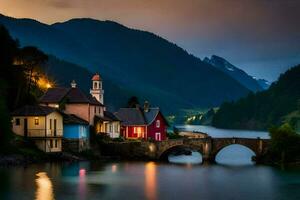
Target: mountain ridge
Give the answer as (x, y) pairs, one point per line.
(262, 110)
(238, 74)
(142, 62)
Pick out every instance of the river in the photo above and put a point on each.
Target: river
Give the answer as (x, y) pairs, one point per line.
(234, 177)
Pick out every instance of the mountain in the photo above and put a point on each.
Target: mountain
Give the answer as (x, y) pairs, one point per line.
(63, 72)
(236, 73)
(138, 61)
(277, 105)
(263, 83)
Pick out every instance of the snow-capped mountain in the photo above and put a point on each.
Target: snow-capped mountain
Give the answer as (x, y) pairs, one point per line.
(263, 83)
(241, 76)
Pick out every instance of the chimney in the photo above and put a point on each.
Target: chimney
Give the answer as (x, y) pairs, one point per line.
(73, 84)
(146, 106)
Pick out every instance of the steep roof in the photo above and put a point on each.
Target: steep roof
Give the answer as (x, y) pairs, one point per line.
(96, 77)
(137, 116)
(131, 116)
(72, 95)
(54, 95)
(110, 115)
(73, 119)
(151, 115)
(33, 111)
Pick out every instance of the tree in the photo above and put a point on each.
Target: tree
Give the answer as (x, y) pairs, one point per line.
(31, 58)
(285, 143)
(8, 49)
(133, 102)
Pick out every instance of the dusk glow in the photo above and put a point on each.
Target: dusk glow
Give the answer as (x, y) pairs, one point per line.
(260, 36)
(150, 99)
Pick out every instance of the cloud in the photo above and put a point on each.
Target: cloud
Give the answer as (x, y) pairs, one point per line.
(61, 4)
(253, 34)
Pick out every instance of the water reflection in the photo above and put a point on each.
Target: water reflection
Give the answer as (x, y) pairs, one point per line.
(235, 155)
(114, 168)
(44, 189)
(194, 158)
(82, 183)
(150, 181)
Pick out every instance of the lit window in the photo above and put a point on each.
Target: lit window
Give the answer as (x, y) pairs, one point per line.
(36, 121)
(137, 130)
(17, 122)
(157, 123)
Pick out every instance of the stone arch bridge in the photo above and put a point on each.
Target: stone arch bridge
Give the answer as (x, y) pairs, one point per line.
(209, 147)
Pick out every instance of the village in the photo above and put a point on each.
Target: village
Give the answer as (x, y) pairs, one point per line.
(65, 118)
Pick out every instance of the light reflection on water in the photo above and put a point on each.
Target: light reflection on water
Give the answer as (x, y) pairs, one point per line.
(82, 183)
(44, 188)
(150, 181)
(234, 177)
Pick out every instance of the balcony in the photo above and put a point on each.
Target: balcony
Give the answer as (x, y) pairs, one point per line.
(42, 133)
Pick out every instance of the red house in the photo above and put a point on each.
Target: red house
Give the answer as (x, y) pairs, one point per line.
(143, 123)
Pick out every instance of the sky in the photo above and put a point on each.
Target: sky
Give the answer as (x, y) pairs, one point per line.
(261, 37)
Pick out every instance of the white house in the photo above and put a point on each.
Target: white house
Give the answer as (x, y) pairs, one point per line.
(42, 124)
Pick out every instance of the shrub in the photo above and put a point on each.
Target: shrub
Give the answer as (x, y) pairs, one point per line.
(285, 143)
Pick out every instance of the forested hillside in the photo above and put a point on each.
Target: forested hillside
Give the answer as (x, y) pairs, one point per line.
(138, 61)
(279, 104)
(63, 73)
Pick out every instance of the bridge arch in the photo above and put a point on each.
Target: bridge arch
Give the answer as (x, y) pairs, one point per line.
(163, 154)
(208, 147)
(235, 154)
(221, 143)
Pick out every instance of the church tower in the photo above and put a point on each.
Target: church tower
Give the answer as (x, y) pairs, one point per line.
(97, 90)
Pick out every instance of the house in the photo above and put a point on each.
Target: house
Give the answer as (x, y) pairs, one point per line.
(109, 124)
(76, 133)
(44, 125)
(73, 101)
(143, 123)
(87, 107)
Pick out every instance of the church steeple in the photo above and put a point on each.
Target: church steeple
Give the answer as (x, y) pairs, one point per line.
(97, 90)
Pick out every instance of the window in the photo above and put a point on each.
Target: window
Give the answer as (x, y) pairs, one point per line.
(139, 131)
(50, 124)
(95, 109)
(51, 143)
(110, 128)
(17, 122)
(99, 110)
(55, 143)
(36, 121)
(95, 85)
(157, 123)
(117, 128)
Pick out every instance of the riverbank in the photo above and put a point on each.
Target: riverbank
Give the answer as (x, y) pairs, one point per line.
(24, 152)
(18, 159)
